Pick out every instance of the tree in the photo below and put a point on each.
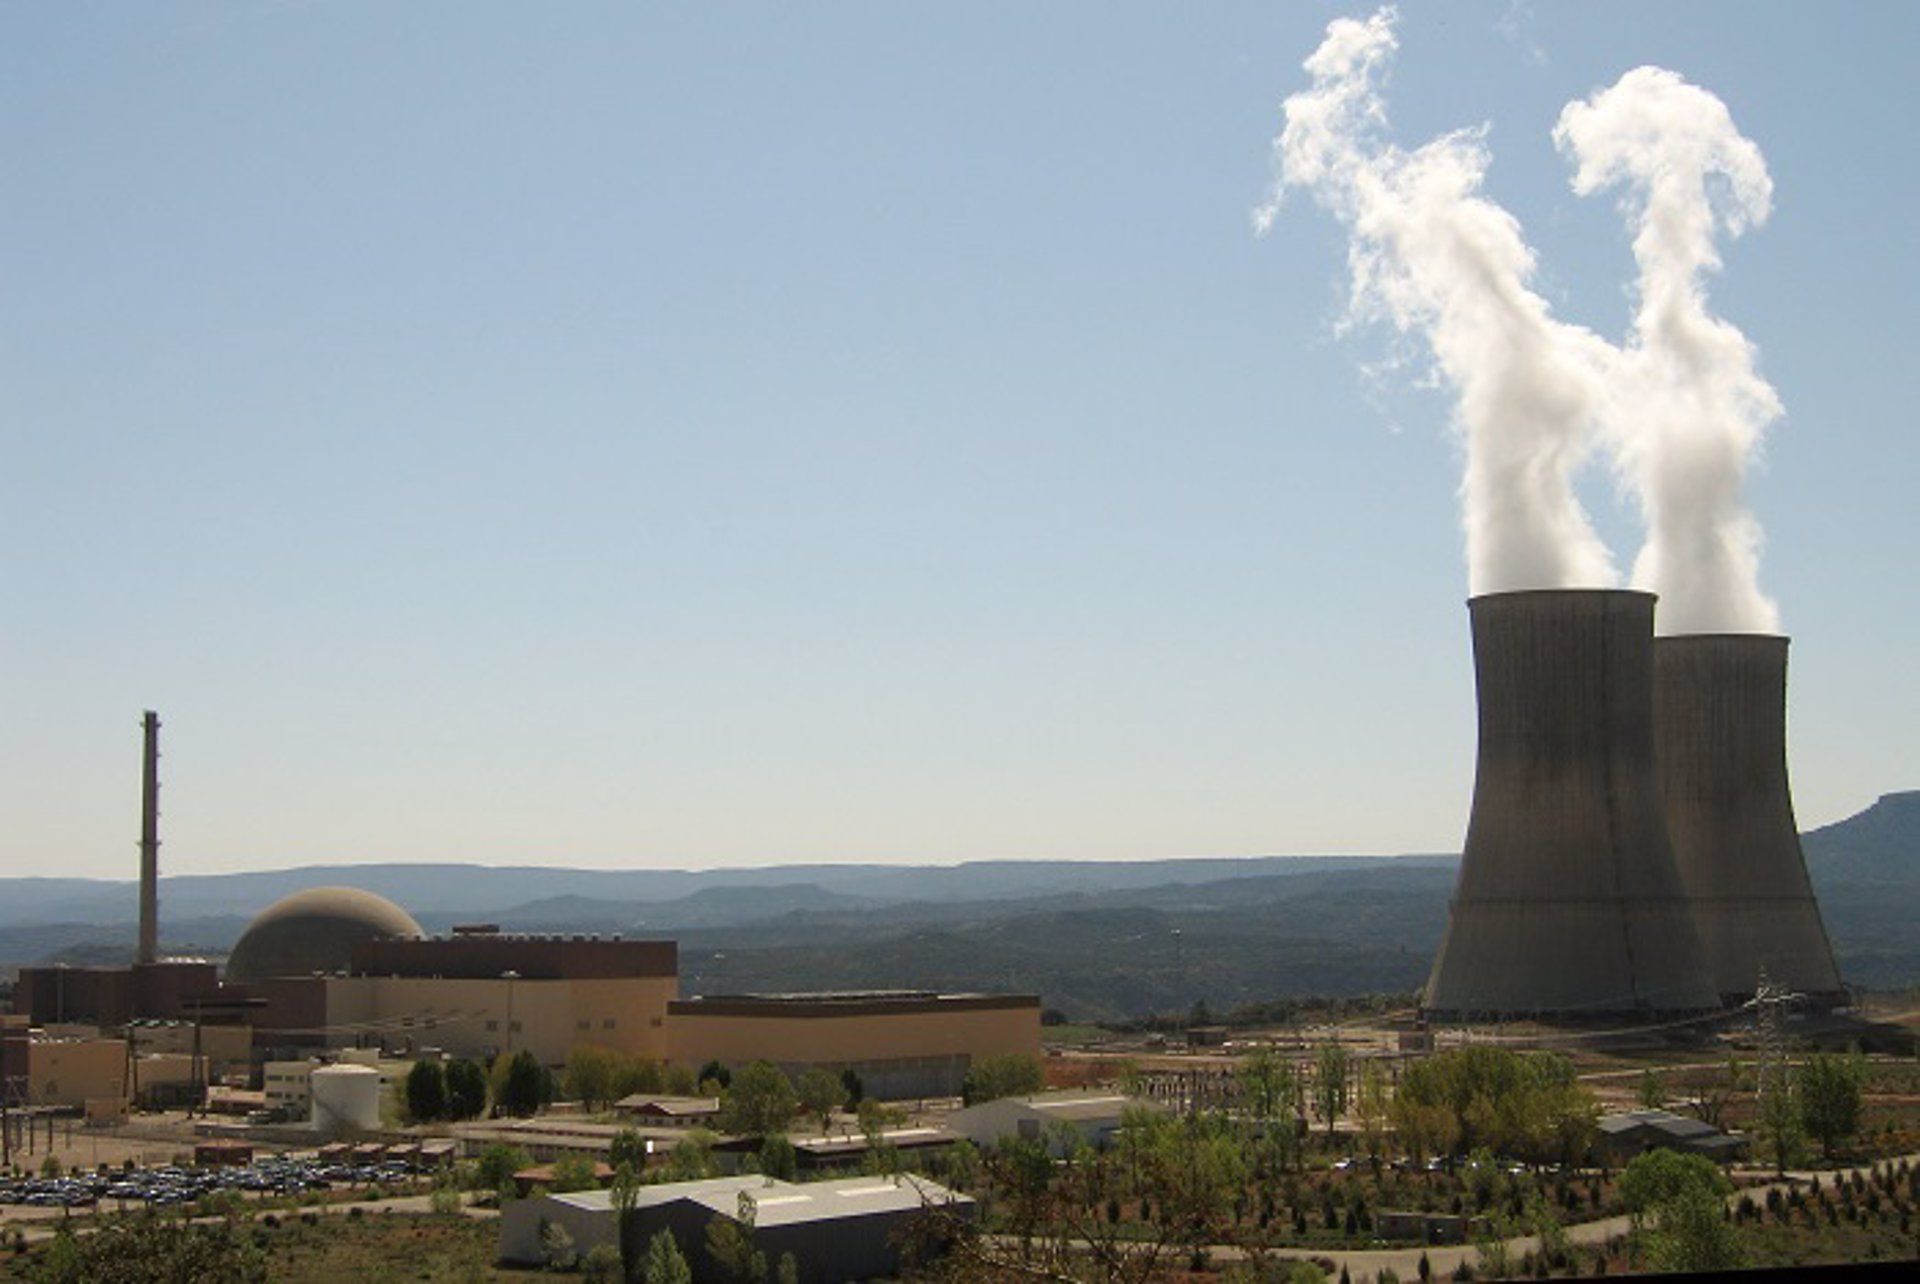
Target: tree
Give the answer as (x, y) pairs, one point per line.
(499, 1162)
(855, 1088)
(759, 1101)
(466, 1089)
(527, 1085)
(1678, 1203)
(628, 1149)
(573, 1172)
(692, 1158)
(1830, 1093)
(1780, 1122)
(1653, 1089)
(1371, 1104)
(1330, 1075)
(777, 1157)
(664, 1263)
(624, 1198)
(589, 1075)
(820, 1095)
(1010, 1074)
(145, 1247)
(730, 1245)
(602, 1265)
(556, 1246)
(426, 1091)
(715, 1072)
(636, 1074)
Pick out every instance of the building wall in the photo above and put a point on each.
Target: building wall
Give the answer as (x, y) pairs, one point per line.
(76, 1072)
(288, 1086)
(485, 956)
(224, 1046)
(909, 1049)
(470, 1018)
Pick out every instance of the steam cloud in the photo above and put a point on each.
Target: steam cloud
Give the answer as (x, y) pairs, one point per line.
(1688, 407)
(1680, 407)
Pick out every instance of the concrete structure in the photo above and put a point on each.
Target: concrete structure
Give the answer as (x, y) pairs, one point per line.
(1622, 1137)
(287, 1088)
(113, 996)
(148, 948)
(848, 1229)
(346, 1098)
(228, 1049)
(314, 931)
(1720, 725)
(72, 1072)
(1568, 902)
(1059, 1118)
(902, 1043)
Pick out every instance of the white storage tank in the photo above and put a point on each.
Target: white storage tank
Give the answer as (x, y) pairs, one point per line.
(346, 1098)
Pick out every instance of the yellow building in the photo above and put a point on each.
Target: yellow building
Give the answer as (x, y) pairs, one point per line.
(900, 1043)
(72, 1072)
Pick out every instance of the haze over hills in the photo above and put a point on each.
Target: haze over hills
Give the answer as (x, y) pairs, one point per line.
(1096, 939)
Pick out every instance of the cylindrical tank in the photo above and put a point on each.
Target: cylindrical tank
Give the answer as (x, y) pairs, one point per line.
(1568, 903)
(346, 1098)
(1720, 730)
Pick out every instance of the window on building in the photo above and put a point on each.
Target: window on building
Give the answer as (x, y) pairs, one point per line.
(607, 1024)
(492, 1026)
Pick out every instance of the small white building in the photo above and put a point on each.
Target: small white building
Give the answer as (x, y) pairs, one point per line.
(1095, 1116)
(289, 1088)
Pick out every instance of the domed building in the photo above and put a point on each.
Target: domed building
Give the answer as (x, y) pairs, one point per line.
(315, 931)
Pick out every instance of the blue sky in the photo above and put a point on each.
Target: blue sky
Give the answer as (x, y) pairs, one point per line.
(695, 435)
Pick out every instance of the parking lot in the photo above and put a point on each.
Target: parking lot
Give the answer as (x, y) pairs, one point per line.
(172, 1185)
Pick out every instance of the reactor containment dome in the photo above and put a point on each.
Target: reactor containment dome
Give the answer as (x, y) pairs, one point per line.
(315, 931)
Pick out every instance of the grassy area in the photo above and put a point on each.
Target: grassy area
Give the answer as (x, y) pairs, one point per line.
(377, 1248)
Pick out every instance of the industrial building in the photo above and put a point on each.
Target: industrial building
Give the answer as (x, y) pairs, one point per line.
(845, 1229)
(1060, 1119)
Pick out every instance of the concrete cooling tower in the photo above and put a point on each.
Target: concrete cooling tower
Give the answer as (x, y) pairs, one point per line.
(1568, 902)
(1720, 727)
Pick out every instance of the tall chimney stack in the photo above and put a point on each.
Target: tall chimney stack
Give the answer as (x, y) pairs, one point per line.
(149, 951)
(1568, 902)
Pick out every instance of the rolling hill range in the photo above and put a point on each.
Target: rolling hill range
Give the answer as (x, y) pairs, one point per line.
(1098, 940)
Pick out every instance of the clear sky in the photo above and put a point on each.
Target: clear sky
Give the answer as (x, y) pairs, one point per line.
(616, 434)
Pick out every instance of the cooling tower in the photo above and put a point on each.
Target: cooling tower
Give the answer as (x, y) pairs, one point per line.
(1720, 729)
(1568, 902)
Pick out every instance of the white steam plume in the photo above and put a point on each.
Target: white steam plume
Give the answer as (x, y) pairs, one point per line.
(1687, 407)
(1429, 253)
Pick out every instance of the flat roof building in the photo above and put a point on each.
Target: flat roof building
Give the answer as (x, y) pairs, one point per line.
(846, 1229)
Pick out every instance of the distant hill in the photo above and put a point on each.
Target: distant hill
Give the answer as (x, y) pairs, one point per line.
(1878, 845)
(1097, 939)
(1866, 871)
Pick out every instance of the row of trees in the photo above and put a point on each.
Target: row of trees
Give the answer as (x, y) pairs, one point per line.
(461, 1089)
(1527, 1105)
